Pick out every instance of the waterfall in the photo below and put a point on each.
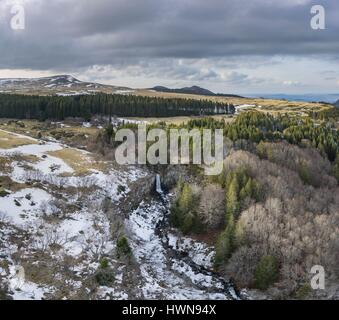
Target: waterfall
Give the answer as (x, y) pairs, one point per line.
(158, 188)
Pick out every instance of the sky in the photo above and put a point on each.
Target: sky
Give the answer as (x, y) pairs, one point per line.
(227, 46)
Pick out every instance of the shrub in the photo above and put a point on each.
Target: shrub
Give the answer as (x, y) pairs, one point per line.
(105, 277)
(223, 249)
(226, 244)
(104, 263)
(17, 203)
(304, 173)
(261, 150)
(123, 248)
(266, 273)
(187, 223)
(303, 291)
(3, 193)
(335, 169)
(3, 295)
(121, 188)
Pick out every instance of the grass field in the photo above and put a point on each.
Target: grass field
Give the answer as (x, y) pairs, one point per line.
(8, 140)
(73, 134)
(79, 161)
(267, 105)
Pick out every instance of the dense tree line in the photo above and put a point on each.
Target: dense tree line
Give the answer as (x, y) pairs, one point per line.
(59, 108)
(279, 216)
(331, 114)
(257, 126)
(294, 224)
(240, 190)
(272, 226)
(184, 215)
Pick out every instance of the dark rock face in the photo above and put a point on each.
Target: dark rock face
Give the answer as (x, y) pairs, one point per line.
(172, 175)
(139, 191)
(336, 104)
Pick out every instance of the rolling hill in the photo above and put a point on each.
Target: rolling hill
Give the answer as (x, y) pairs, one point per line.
(193, 90)
(67, 85)
(58, 85)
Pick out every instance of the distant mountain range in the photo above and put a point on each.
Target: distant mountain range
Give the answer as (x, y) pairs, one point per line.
(327, 98)
(64, 85)
(59, 85)
(55, 81)
(67, 85)
(193, 90)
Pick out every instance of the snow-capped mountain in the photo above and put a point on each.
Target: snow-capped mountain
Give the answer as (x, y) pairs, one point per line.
(59, 85)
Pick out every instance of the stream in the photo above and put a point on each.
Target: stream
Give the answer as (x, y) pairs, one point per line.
(172, 266)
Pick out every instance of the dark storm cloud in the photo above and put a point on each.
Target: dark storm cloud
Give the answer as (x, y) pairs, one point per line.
(63, 34)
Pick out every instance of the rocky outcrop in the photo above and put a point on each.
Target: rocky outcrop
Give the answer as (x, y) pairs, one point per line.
(172, 174)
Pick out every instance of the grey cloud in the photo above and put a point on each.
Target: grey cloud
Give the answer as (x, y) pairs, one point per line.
(71, 34)
(178, 71)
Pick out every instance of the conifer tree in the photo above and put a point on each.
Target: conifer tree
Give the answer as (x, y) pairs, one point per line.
(232, 201)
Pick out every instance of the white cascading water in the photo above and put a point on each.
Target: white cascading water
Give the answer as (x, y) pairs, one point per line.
(158, 188)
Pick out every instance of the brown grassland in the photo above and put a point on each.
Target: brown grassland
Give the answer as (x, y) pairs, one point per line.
(267, 105)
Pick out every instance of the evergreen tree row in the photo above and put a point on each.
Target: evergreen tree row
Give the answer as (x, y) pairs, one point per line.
(240, 190)
(59, 108)
(257, 126)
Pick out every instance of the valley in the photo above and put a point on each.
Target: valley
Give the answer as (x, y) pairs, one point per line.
(76, 225)
(161, 158)
(63, 228)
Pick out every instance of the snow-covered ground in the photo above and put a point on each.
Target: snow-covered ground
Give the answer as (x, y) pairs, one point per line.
(245, 107)
(40, 149)
(73, 93)
(165, 275)
(124, 91)
(199, 252)
(82, 233)
(23, 206)
(63, 219)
